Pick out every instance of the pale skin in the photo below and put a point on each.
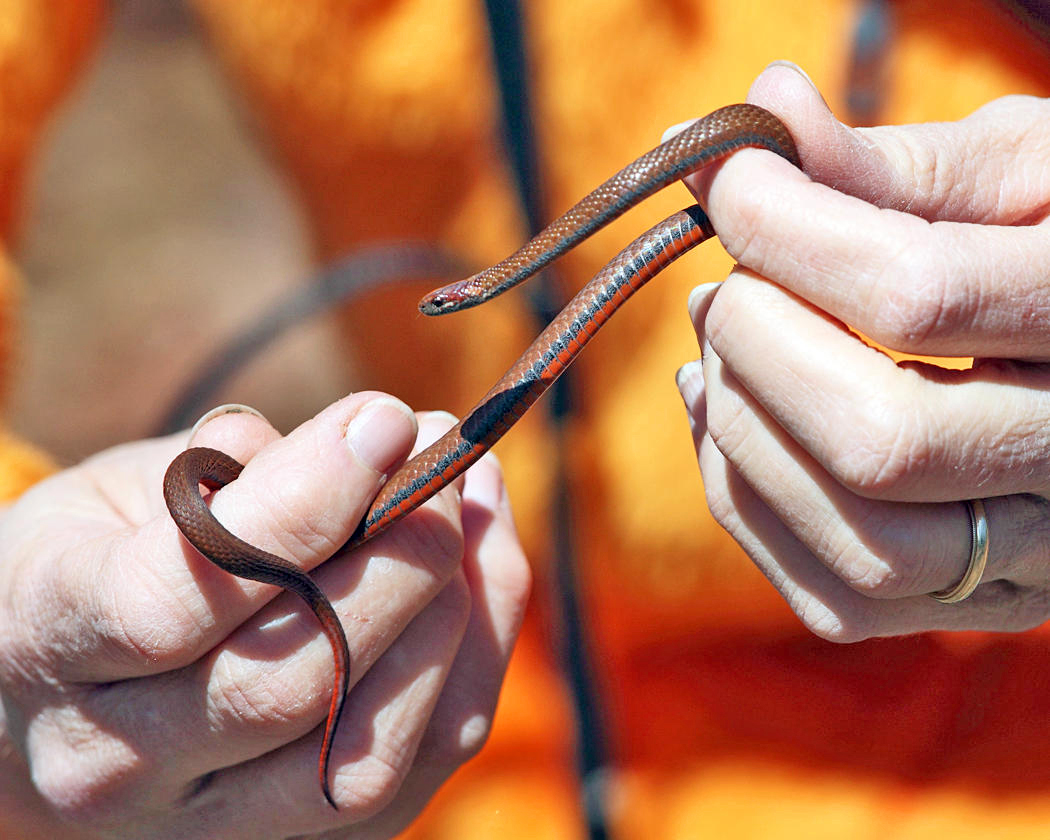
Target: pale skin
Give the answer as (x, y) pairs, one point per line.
(841, 473)
(149, 694)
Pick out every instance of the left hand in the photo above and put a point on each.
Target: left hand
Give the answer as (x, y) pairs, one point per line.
(147, 693)
(840, 472)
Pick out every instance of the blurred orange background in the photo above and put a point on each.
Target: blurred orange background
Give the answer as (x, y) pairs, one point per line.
(168, 172)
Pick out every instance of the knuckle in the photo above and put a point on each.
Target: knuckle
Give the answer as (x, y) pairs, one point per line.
(872, 565)
(143, 623)
(935, 179)
(232, 704)
(473, 735)
(883, 450)
(876, 581)
(375, 783)
(860, 569)
(436, 540)
(872, 578)
(297, 520)
(746, 243)
(913, 303)
(131, 632)
(455, 744)
(80, 788)
(927, 291)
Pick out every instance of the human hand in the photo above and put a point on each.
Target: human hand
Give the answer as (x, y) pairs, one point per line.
(840, 472)
(149, 694)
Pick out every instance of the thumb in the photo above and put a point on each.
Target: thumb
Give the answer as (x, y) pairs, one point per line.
(972, 170)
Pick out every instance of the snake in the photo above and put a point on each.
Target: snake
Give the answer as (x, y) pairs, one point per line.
(706, 141)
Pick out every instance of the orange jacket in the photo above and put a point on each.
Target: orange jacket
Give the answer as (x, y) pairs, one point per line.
(726, 717)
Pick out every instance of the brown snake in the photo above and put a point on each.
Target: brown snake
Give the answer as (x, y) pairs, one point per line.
(710, 139)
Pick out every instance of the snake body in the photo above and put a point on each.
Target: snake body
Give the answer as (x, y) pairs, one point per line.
(707, 141)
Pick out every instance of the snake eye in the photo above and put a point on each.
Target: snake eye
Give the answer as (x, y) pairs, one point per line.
(436, 303)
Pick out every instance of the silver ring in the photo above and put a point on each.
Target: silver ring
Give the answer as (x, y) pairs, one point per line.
(978, 557)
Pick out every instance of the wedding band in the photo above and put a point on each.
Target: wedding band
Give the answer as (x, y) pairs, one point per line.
(978, 557)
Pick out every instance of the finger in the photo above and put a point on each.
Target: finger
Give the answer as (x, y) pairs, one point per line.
(276, 793)
(689, 377)
(148, 602)
(880, 549)
(971, 170)
(824, 602)
(905, 433)
(499, 579)
(965, 286)
(700, 300)
(690, 381)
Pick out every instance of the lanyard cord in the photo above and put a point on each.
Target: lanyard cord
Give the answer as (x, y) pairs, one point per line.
(573, 647)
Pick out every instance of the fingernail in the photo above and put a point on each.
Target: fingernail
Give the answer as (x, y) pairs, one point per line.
(379, 432)
(700, 295)
(690, 381)
(790, 65)
(221, 411)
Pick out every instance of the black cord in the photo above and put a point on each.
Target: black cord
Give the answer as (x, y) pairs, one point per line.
(508, 50)
(508, 47)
